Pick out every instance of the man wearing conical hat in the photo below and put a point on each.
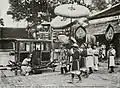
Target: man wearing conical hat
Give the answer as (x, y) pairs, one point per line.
(75, 63)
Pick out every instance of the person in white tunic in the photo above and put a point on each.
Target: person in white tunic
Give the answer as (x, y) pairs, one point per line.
(89, 59)
(26, 65)
(96, 54)
(111, 56)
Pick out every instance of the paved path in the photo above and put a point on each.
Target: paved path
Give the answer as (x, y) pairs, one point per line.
(49, 79)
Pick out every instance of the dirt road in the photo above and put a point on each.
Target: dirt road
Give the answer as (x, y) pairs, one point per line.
(49, 79)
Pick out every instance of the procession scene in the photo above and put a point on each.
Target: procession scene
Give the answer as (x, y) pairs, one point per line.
(63, 43)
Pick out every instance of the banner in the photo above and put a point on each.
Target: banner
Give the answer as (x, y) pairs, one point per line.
(109, 33)
(80, 32)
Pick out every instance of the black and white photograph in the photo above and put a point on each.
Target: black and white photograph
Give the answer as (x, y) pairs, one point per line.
(60, 44)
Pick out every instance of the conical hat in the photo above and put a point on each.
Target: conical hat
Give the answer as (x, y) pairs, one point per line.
(75, 45)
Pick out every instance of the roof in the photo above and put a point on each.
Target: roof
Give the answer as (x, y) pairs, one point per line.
(6, 32)
(99, 29)
(25, 40)
(33, 40)
(112, 11)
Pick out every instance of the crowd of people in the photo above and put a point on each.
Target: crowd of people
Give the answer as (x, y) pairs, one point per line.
(79, 60)
(85, 59)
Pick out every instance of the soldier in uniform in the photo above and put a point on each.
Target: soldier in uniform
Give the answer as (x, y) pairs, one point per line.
(83, 54)
(111, 56)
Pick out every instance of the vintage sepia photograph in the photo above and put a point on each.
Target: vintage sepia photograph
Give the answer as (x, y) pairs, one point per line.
(60, 44)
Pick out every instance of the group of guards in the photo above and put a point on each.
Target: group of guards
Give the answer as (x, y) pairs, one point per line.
(79, 60)
(85, 59)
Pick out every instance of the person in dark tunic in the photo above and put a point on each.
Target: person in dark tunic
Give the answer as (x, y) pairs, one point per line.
(83, 54)
(75, 63)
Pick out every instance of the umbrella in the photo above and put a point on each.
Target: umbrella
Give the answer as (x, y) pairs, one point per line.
(61, 22)
(63, 39)
(72, 11)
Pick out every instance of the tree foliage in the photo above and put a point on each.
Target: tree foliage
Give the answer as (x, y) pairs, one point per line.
(1, 21)
(33, 11)
(99, 4)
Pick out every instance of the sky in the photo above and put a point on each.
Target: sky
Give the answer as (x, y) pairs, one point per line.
(8, 21)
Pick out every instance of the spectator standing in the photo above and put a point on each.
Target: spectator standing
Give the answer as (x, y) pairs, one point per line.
(89, 59)
(103, 51)
(83, 54)
(111, 53)
(75, 63)
(63, 60)
(100, 50)
(96, 54)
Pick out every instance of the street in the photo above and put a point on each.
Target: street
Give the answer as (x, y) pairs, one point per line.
(49, 79)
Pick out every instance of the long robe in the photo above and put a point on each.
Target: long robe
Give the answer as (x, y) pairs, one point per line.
(83, 55)
(75, 59)
(89, 59)
(63, 58)
(111, 57)
(96, 54)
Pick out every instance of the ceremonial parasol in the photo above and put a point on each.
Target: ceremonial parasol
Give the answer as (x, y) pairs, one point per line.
(62, 22)
(72, 11)
(65, 39)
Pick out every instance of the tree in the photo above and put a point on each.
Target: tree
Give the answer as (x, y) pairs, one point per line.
(33, 11)
(99, 4)
(1, 21)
